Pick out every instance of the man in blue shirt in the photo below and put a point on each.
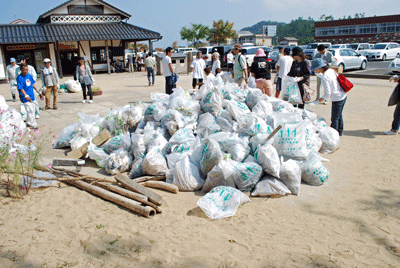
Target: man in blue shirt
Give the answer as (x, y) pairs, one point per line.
(26, 84)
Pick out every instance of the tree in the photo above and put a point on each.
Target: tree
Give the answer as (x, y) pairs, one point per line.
(221, 31)
(300, 28)
(195, 34)
(174, 44)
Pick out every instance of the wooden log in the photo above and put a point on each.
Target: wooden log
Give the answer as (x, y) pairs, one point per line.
(136, 187)
(102, 138)
(115, 198)
(149, 178)
(162, 186)
(129, 194)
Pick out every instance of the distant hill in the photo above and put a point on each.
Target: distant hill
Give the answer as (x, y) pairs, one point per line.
(258, 28)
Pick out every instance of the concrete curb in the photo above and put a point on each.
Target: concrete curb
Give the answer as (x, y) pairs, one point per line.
(369, 76)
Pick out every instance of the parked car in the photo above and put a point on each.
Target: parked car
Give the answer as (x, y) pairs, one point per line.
(383, 51)
(360, 47)
(207, 53)
(394, 66)
(184, 49)
(349, 59)
(273, 56)
(339, 46)
(311, 49)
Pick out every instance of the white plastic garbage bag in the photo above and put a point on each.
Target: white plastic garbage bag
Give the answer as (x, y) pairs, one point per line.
(118, 162)
(255, 95)
(255, 126)
(211, 155)
(3, 104)
(154, 163)
(136, 169)
(245, 175)
(239, 111)
(117, 142)
(330, 140)
(290, 175)
(270, 186)
(66, 135)
(220, 175)
(212, 101)
(207, 125)
(267, 156)
(73, 86)
(187, 176)
(290, 90)
(99, 155)
(139, 146)
(313, 172)
(222, 202)
(263, 109)
(290, 141)
(77, 142)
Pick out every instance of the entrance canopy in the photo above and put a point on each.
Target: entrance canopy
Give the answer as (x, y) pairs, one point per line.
(49, 33)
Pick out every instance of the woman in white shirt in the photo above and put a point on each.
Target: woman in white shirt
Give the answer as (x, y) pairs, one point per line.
(332, 91)
(216, 63)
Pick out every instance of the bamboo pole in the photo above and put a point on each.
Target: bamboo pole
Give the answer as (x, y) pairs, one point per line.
(115, 198)
(162, 186)
(149, 178)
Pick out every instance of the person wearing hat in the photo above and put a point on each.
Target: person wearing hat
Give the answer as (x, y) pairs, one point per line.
(260, 70)
(11, 78)
(31, 70)
(300, 69)
(329, 59)
(240, 66)
(51, 81)
(332, 91)
(84, 76)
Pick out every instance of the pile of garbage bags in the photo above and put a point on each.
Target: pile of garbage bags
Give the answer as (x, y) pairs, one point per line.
(217, 136)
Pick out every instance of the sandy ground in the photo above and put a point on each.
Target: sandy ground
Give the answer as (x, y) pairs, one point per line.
(351, 221)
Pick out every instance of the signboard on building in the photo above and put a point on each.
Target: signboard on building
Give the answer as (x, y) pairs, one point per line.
(271, 30)
(21, 47)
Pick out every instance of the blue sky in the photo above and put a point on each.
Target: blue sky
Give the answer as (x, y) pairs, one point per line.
(168, 17)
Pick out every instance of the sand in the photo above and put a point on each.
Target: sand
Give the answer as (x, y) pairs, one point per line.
(351, 221)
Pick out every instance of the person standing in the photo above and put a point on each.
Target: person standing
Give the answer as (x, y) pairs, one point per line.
(31, 70)
(168, 70)
(25, 85)
(230, 60)
(282, 68)
(396, 116)
(281, 53)
(130, 63)
(260, 70)
(328, 57)
(84, 76)
(11, 78)
(300, 68)
(150, 64)
(197, 67)
(332, 91)
(216, 63)
(51, 81)
(240, 73)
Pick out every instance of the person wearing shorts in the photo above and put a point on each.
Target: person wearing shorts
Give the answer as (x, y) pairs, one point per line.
(197, 67)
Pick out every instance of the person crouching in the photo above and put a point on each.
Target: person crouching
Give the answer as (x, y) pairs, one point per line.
(25, 85)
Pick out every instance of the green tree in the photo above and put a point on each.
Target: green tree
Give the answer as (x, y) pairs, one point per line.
(300, 28)
(221, 31)
(195, 34)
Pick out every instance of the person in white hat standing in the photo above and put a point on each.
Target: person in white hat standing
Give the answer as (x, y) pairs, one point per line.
(50, 80)
(11, 78)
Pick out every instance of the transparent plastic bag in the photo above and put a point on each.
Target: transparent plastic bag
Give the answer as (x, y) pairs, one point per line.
(222, 202)
(220, 175)
(78, 142)
(211, 155)
(66, 135)
(117, 142)
(118, 162)
(270, 186)
(267, 156)
(99, 155)
(154, 163)
(290, 90)
(290, 175)
(187, 176)
(212, 101)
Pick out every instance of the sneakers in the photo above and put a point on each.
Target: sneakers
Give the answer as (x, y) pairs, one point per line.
(47, 108)
(391, 132)
(84, 101)
(149, 83)
(37, 116)
(14, 99)
(91, 101)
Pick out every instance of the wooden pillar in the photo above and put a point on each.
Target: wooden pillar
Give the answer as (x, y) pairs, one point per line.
(134, 46)
(58, 55)
(108, 58)
(150, 46)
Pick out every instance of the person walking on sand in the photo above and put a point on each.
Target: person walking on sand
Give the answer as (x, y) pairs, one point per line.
(84, 76)
(31, 70)
(168, 71)
(332, 91)
(260, 70)
(151, 67)
(11, 78)
(51, 81)
(240, 67)
(197, 67)
(282, 68)
(26, 85)
(396, 115)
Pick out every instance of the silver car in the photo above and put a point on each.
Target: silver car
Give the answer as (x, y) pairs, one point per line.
(349, 59)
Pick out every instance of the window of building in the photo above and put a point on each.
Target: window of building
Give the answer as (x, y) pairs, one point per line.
(85, 10)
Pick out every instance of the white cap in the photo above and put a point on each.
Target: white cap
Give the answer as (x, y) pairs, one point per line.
(46, 60)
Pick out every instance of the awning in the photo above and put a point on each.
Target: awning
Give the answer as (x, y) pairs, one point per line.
(49, 33)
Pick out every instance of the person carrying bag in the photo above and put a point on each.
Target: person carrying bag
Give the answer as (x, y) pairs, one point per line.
(84, 76)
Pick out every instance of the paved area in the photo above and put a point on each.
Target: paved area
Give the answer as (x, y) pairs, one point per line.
(374, 68)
